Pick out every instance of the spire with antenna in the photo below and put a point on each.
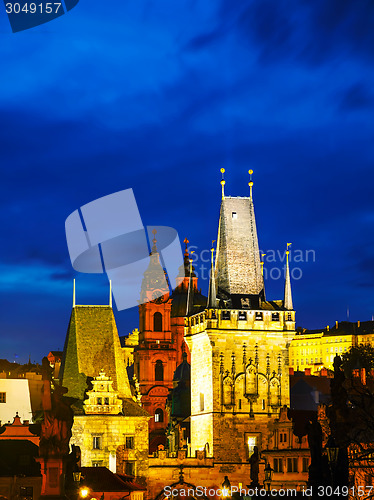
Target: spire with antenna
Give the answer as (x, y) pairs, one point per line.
(110, 294)
(74, 292)
(287, 303)
(190, 290)
(223, 182)
(212, 296)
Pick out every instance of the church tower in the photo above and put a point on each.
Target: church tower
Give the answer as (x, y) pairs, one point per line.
(238, 344)
(156, 355)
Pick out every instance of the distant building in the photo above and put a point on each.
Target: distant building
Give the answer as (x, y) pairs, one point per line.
(315, 349)
(20, 395)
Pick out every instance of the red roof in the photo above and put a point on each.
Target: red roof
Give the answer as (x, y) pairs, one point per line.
(101, 479)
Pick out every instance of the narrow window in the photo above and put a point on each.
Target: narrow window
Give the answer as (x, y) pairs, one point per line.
(99, 401)
(106, 401)
(240, 404)
(129, 444)
(130, 469)
(157, 322)
(159, 371)
(275, 317)
(159, 415)
(2, 397)
(305, 464)
(258, 316)
(225, 315)
(263, 404)
(234, 215)
(242, 316)
(201, 401)
(96, 442)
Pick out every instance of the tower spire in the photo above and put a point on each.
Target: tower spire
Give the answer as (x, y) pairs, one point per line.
(110, 294)
(74, 292)
(212, 296)
(287, 303)
(190, 290)
(223, 182)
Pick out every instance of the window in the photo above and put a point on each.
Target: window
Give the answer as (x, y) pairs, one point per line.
(278, 465)
(291, 464)
(281, 437)
(99, 401)
(305, 464)
(106, 401)
(242, 316)
(157, 322)
(2, 397)
(97, 463)
(201, 401)
(234, 215)
(159, 415)
(263, 404)
(275, 317)
(285, 438)
(26, 493)
(240, 404)
(258, 316)
(96, 442)
(159, 371)
(129, 442)
(130, 468)
(289, 317)
(225, 315)
(252, 442)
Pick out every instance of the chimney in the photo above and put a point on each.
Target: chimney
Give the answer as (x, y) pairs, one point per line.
(363, 376)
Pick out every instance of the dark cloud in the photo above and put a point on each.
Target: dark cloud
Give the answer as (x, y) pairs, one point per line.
(357, 97)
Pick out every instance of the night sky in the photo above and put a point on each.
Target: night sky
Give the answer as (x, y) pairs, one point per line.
(158, 96)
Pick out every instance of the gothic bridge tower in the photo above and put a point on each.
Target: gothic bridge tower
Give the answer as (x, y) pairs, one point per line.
(239, 344)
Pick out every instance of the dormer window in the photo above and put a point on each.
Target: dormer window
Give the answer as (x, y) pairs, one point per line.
(234, 215)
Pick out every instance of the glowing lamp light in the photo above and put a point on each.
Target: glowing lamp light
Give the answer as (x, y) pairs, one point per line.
(77, 476)
(84, 492)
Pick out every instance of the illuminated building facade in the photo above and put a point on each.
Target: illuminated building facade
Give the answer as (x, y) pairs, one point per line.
(315, 349)
(239, 344)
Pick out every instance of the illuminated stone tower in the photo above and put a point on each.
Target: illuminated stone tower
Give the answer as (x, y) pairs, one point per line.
(239, 344)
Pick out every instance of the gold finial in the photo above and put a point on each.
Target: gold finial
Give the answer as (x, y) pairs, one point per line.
(262, 263)
(250, 183)
(186, 242)
(223, 182)
(287, 251)
(191, 260)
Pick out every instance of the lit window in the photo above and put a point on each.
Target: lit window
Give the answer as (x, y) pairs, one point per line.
(2, 397)
(26, 493)
(252, 442)
(159, 415)
(96, 442)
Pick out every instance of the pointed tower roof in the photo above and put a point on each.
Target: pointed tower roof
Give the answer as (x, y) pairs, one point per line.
(92, 343)
(287, 303)
(155, 282)
(238, 265)
(190, 292)
(212, 296)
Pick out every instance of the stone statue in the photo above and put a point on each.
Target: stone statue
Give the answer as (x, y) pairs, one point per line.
(315, 440)
(58, 417)
(254, 462)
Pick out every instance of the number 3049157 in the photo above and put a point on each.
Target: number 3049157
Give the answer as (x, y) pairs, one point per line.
(33, 8)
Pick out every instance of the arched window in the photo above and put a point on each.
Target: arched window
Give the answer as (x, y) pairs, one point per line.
(159, 415)
(157, 322)
(159, 370)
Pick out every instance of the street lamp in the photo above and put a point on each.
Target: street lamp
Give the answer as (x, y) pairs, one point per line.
(77, 475)
(332, 451)
(268, 476)
(84, 492)
(332, 457)
(226, 487)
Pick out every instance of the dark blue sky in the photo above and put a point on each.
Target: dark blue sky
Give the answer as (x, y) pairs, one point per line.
(158, 96)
